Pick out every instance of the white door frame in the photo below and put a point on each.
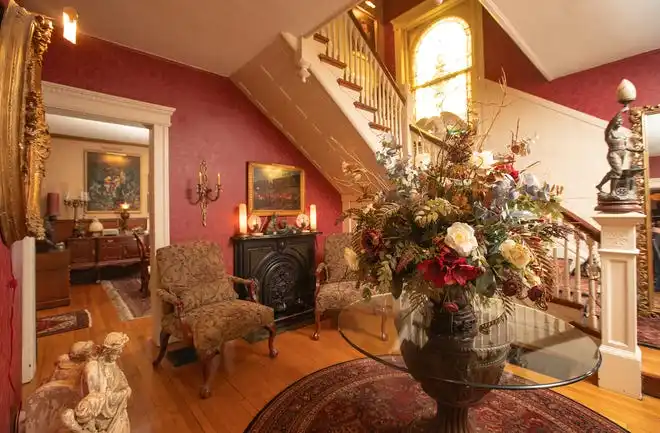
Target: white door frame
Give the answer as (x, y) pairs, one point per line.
(99, 106)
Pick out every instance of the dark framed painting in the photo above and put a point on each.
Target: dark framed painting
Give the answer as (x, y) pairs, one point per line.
(275, 188)
(112, 179)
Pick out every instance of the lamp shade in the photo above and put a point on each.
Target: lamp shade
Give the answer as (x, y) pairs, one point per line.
(242, 219)
(52, 204)
(312, 217)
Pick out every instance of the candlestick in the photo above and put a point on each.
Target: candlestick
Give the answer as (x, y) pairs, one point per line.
(204, 193)
(312, 217)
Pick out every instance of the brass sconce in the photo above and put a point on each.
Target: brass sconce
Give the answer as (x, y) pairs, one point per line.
(204, 193)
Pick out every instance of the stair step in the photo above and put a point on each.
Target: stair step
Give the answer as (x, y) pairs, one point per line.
(365, 107)
(320, 38)
(349, 84)
(378, 126)
(567, 303)
(332, 61)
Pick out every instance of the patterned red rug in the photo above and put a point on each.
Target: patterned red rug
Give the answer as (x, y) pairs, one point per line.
(648, 332)
(367, 396)
(125, 295)
(66, 322)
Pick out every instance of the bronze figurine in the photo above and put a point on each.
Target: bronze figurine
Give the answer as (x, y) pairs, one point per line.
(622, 196)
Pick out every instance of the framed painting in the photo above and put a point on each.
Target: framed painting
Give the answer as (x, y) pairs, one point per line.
(274, 188)
(112, 179)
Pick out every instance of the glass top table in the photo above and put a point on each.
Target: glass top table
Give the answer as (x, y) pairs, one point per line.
(458, 368)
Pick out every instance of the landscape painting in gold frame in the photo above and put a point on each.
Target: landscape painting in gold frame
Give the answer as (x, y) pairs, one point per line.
(275, 188)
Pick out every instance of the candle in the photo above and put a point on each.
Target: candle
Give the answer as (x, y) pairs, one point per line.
(125, 206)
(67, 196)
(82, 195)
(53, 204)
(242, 218)
(200, 177)
(218, 178)
(312, 217)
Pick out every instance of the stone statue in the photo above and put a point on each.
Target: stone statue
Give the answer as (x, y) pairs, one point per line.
(87, 392)
(103, 409)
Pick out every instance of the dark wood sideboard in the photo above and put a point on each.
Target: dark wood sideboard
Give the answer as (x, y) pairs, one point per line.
(52, 279)
(102, 251)
(285, 267)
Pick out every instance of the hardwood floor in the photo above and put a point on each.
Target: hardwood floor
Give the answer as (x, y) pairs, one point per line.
(166, 400)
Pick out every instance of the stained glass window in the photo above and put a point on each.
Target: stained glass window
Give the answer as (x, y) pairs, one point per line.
(442, 66)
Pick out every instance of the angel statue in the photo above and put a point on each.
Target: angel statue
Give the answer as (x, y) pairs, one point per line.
(103, 409)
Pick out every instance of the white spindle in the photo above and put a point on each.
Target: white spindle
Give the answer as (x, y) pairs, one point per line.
(593, 319)
(555, 289)
(567, 272)
(578, 271)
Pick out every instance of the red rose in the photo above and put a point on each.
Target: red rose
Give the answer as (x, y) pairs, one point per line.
(448, 269)
(535, 293)
(508, 169)
(510, 288)
(450, 307)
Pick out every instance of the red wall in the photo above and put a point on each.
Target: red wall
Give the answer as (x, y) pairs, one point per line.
(10, 342)
(654, 167)
(213, 121)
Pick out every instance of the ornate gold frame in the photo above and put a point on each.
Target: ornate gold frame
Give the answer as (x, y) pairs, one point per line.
(645, 284)
(282, 212)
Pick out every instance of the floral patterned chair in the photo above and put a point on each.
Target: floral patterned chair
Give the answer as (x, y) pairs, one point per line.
(336, 285)
(201, 306)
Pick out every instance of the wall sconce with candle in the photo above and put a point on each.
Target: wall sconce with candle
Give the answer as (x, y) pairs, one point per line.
(205, 195)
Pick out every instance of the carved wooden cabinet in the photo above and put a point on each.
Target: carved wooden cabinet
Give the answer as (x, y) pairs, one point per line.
(52, 279)
(284, 265)
(98, 252)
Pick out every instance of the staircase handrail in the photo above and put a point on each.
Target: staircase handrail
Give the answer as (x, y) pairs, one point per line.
(385, 69)
(582, 224)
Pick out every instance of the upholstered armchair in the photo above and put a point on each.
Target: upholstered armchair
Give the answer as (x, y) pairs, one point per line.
(201, 306)
(336, 285)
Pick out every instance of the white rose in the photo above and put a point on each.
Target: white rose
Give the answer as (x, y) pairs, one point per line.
(351, 259)
(460, 237)
(515, 253)
(484, 160)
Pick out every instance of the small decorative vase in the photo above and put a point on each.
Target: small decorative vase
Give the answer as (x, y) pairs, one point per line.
(95, 227)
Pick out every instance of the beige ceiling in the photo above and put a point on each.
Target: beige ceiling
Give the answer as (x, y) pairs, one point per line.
(218, 36)
(565, 36)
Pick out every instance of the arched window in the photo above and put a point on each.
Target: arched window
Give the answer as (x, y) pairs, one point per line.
(442, 65)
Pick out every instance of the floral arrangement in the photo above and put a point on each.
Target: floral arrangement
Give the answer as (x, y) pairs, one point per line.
(467, 224)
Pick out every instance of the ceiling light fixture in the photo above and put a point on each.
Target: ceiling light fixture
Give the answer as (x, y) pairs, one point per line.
(370, 4)
(70, 23)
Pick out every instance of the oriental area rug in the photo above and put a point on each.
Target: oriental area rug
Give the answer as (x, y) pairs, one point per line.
(127, 299)
(366, 396)
(58, 323)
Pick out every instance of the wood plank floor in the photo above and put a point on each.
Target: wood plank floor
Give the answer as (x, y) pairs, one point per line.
(165, 401)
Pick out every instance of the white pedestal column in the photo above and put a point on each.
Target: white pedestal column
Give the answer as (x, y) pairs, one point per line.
(621, 370)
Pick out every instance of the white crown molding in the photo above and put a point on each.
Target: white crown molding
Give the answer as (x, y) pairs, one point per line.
(510, 29)
(512, 94)
(72, 99)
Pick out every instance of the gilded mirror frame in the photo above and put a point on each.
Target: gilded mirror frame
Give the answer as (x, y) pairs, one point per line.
(645, 284)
